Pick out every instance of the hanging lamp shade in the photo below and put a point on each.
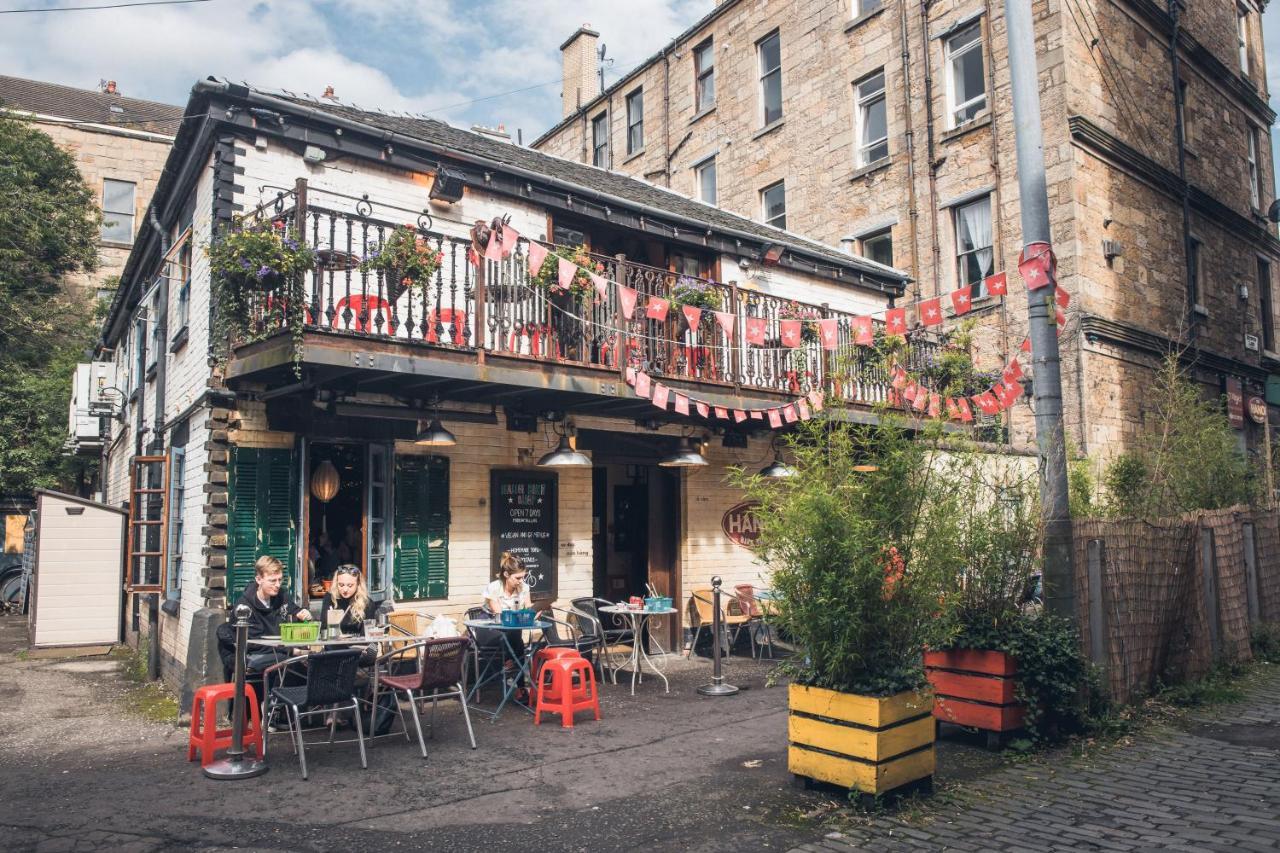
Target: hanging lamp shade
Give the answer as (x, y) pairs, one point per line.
(777, 469)
(435, 435)
(684, 456)
(325, 481)
(564, 456)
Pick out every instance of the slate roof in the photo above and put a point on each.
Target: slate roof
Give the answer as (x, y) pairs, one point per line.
(623, 188)
(88, 105)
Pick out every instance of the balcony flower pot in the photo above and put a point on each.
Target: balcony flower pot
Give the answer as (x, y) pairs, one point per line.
(406, 259)
(871, 744)
(975, 688)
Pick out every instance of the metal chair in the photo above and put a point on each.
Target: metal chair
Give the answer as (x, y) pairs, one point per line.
(701, 615)
(591, 644)
(614, 630)
(330, 687)
(442, 666)
(487, 649)
(563, 622)
(751, 605)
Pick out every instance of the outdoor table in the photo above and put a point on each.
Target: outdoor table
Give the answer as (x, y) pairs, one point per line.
(522, 662)
(639, 618)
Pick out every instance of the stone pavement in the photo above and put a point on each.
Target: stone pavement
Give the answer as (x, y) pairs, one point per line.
(1211, 783)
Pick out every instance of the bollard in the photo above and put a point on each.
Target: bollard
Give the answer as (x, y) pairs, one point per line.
(717, 687)
(235, 765)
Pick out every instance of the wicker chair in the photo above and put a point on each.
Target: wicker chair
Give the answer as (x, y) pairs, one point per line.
(441, 674)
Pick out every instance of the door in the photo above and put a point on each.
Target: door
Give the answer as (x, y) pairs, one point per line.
(262, 516)
(665, 531)
(377, 533)
(421, 526)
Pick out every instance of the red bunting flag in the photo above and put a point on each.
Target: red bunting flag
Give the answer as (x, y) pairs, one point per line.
(961, 300)
(630, 375)
(537, 255)
(661, 393)
(510, 237)
(996, 285)
(703, 409)
(775, 418)
(1036, 265)
(757, 414)
(657, 308)
(817, 400)
(601, 284)
(722, 413)
(966, 414)
(1025, 346)
(1009, 392)
(1059, 319)
(739, 416)
(803, 408)
(472, 257)
(1012, 371)
(627, 301)
(911, 392)
(642, 385)
(692, 316)
(895, 320)
(567, 270)
(828, 330)
(757, 327)
(682, 404)
(898, 379)
(789, 414)
(935, 404)
(987, 403)
(1061, 296)
(726, 320)
(921, 402)
(931, 312)
(790, 330)
(863, 335)
(493, 250)
(953, 411)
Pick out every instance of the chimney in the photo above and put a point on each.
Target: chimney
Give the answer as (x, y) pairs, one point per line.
(108, 87)
(498, 134)
(328, 94)
(581, 66)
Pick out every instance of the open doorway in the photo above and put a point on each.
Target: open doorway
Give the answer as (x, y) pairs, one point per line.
(336, 485)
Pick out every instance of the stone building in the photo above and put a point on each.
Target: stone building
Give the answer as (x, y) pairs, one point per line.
(887, 127)
(119, 143)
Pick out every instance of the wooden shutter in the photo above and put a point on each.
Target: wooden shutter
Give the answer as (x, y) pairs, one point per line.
(262, 516)
(421, 521)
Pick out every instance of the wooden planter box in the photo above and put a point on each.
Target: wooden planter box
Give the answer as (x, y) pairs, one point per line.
(873, 745)
(975, 688)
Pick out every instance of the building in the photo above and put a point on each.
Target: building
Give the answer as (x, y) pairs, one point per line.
(326, 416)
(120, 145)
(886, 127)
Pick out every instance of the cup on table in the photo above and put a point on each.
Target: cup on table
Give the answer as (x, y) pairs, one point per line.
(371, 627)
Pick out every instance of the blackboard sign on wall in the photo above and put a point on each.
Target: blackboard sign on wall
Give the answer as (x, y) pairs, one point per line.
(524, 520)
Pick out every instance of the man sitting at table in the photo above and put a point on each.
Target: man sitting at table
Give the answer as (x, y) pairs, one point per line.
(269, 605)
(509, 592)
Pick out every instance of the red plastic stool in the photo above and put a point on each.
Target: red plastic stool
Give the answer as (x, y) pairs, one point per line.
(206, 736)
(551, 653)
(557, 693)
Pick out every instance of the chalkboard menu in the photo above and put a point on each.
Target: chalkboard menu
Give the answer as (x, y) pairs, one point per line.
(524, 521)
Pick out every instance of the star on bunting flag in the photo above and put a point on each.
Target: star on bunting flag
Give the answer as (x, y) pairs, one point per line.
(682, 404)
(803, 407)
(895, 320)
(790, 330)
(657, 308)
(703, 409)
(627, 301)
(775, 419)
(789, 414)
(1061, 296)
(935, 404)
(966, 414)
(661, 393)
(816, 400)
(862, 333)
(828, 330)
(931, 312)
(726, 320)
(961, 300)
(568, 269)
(537, 255)
(692, 316)
(642, 385)
(996, 285)
(601, 284)
(1036, 265)
(722, 413)
(987, 402)
(756, 329)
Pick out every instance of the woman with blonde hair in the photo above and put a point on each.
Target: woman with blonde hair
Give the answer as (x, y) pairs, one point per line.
(349, 595)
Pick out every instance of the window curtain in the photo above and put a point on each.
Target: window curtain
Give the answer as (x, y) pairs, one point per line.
(974, 221)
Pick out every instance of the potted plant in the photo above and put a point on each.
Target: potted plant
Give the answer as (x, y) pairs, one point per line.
(695, 293)
(855, 585)
(406, 259)
(258, 256)
(579, 289)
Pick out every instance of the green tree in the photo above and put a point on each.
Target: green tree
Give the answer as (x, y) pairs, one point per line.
(48, 230)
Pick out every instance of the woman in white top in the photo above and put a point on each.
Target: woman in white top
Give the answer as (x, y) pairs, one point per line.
(509, 592)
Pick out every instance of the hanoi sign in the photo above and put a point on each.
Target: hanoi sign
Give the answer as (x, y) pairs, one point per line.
(741, 525)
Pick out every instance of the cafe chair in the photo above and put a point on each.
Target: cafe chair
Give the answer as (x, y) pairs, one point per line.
(585, 635)
(330, 687)
(442, 666)
(701, 614)
(615, 628)
(737, 617)
(749, 604)
(488, 651)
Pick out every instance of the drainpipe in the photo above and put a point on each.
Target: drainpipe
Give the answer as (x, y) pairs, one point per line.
(913, 212)
(1175, 6)
(666, 114)
(933, 163)
(157, 433)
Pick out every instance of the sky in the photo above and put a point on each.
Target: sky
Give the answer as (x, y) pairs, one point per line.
(469, 62)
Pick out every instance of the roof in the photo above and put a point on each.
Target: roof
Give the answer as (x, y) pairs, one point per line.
(88, 105)
(621, 189)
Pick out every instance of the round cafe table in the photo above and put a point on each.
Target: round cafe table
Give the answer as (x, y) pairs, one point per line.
(639, 618)
(522, 662)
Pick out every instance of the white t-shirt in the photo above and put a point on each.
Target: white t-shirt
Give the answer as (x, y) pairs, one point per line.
(509, 601)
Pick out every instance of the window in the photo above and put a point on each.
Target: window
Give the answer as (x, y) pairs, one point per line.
(1242, 37)
(1193, 270)
(138, 349)
(1264, 306)
(770, 51)
(706, 175)
(773, 204)
(600, 141)
(177, 469)
(873, 122)
(974, 257)
(877, 247)
(154, 343)
(182, 303)
(117, 211)
(865, 7)
(966, 79)
(635, 121)
(704, 73)
(1255, 195)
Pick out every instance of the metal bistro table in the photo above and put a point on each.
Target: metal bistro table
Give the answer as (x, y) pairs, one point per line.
(639, 618)
(509, 652)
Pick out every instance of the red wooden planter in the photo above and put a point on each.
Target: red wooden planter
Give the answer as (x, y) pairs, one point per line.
(974, 688)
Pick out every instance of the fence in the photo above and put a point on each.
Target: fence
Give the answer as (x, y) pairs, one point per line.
(1162, 601)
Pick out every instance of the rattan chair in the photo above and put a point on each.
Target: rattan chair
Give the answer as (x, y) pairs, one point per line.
(330, 687)
(441, 673)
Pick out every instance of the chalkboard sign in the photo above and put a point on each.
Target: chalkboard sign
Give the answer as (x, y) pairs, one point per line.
(524, 521)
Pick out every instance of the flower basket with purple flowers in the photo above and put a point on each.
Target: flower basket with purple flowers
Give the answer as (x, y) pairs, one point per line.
(407, 259)
(259, 256)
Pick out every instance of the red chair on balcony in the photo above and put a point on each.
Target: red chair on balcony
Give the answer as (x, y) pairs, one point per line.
(363, 309)
(453, 321)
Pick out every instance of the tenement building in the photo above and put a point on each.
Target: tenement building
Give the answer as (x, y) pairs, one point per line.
(886, 127)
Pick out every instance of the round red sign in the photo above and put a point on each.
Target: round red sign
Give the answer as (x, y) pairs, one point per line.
(741, 525)
(1258, 410)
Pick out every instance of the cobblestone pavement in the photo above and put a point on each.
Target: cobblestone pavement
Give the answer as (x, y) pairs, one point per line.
(1211, 783)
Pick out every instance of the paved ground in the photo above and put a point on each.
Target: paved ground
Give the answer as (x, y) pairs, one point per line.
(661, 772)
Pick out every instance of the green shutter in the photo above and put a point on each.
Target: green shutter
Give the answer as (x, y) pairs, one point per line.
(421, 568)
(262, 515)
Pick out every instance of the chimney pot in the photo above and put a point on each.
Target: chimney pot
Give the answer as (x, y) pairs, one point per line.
(581, 66)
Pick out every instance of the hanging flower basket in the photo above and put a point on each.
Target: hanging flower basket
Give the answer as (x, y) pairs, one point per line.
(809, 316)
(259, 256)
(579, 289)
(406, 259)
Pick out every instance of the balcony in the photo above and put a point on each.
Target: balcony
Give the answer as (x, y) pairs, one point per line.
(496, 314)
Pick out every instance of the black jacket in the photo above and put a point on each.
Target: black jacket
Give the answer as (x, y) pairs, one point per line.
(264, 619)
(352, 623)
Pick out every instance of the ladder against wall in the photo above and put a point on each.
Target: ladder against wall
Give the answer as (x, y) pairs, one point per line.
(148, 521)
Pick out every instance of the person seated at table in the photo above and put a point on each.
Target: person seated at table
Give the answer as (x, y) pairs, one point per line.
(349, 595)
(269, 605)
(510, 592)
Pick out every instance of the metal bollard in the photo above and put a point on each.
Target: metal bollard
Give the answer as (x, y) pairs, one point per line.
(235, 765)
(717, 687)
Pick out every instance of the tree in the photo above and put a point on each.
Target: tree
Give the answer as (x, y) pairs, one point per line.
(48, 230)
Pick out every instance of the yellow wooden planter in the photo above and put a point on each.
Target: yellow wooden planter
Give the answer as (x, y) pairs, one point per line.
(874, 745)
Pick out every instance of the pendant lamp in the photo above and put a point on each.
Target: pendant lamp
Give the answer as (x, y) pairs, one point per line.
(684, 456)
(325, 481)
(777, 469)
(564, 456)
(435, 435)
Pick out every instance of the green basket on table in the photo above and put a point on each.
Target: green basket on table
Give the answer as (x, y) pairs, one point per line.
(300, 632)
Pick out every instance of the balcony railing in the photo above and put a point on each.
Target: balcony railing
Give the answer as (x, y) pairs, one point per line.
(499, 310)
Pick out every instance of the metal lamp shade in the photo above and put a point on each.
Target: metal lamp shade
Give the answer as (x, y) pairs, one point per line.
(325, 481)
(564, 456)
(777, 469)
(685, 456)
(435, 435)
